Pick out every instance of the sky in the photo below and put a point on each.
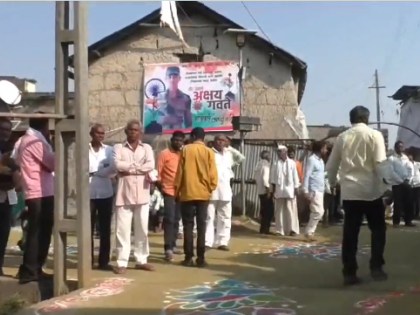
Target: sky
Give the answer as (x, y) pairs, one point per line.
(342, 43)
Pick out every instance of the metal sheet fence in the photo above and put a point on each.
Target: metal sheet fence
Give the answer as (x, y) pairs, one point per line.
(252, 155)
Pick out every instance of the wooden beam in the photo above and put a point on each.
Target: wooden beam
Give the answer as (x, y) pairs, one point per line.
(81, 110)
(34, 115)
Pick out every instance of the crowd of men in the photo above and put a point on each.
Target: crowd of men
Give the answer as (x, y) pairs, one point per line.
(193, 184)
(358, 171)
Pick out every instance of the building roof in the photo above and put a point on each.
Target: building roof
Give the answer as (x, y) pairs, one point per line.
(16, 80)
(405, 92)
(330, 133)
(95, 51)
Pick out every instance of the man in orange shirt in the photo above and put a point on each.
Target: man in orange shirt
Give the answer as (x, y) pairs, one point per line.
(292, 154)
(167, 165)
(195, 180)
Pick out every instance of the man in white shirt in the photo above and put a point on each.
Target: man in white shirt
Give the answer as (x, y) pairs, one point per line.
(262, 179)
(314, 187)
(219, 211)
(359, 153)
(101, 193)
(415, 184)
(402, 194)
(285, 183)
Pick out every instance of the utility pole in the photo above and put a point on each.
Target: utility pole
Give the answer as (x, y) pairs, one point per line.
(378, 102)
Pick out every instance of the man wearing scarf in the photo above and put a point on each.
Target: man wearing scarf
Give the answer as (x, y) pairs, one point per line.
(36, 160)
(285, 182)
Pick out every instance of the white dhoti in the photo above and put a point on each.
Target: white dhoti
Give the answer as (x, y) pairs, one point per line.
(219, 223)
(181, 226)
(286, 216)
(317, 211)
(124, 217)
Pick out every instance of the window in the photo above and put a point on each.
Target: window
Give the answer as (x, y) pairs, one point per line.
(183, 58)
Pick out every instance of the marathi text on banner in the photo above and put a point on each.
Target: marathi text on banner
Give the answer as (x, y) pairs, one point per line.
(188, 95)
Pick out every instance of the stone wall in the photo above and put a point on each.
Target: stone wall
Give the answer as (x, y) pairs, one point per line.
(116, 79)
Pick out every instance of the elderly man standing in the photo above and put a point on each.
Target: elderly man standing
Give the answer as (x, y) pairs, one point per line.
(285, 183)
(195, 180)
(221, 198)
(134, 161)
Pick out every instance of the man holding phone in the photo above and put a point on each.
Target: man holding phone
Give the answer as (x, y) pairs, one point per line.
(101, 193)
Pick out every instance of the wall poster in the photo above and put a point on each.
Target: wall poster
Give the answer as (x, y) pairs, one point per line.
(188, 95)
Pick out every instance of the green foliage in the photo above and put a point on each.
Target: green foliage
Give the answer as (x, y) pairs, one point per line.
(12, 305)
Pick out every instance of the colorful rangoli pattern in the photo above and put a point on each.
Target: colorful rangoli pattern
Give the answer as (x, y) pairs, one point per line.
(321, 251)
(228, 297)
(71, 250)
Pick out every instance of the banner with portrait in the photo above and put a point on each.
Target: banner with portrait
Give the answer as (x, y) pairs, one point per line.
(188, 95)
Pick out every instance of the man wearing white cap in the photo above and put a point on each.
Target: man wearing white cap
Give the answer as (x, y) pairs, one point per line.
(285, 182)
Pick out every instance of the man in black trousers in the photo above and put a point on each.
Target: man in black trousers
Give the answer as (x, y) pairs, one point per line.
(195, 180)
(9, 176)
(262, 179)
(360, 153)
(101, 193)
(402, 193)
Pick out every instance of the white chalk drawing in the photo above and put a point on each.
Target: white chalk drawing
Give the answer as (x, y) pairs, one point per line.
(106, 288)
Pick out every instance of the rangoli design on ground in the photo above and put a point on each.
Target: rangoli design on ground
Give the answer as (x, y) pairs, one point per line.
(318, 251)
(71, 250)
(106, 288)
(375, 303)
(228, 297)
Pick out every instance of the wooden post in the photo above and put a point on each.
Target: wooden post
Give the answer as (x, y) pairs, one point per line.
(81, 111)
(62, 24)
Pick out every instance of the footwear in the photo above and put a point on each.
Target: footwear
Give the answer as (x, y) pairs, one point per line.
(278, 234)
(44, 275)
(378, 275)
(201, 263)
(169, 256)
(352, 280)
(120, 270)
(106, 267)
(177, 251)
(292, 234)
(145, 267)
(207, 248)
(310, 238)
(188, 262)
(223, 248)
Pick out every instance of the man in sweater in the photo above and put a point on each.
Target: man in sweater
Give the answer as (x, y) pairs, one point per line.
(195, 180)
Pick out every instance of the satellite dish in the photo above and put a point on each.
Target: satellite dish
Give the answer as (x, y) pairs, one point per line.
(9, 93)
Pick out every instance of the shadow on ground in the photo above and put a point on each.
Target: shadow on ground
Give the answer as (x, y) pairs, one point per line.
(267, 275)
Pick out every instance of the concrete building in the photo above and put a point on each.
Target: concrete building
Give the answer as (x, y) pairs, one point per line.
(273, 88)
(408, 97)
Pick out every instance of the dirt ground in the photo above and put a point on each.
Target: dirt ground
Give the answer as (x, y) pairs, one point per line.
(259, 276)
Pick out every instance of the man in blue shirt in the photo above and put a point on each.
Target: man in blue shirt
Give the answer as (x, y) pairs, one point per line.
(314, 186)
